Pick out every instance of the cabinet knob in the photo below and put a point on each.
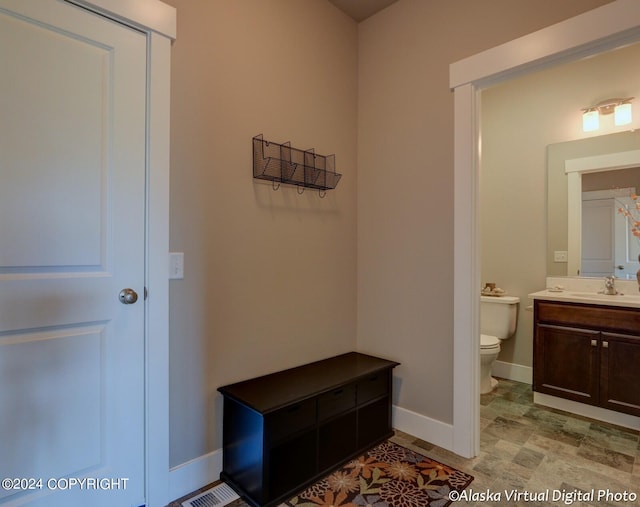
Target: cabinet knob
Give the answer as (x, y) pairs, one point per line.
(594, 343)
(605, 344)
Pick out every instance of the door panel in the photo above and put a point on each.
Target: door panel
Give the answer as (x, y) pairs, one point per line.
(566, 362)
(72, 167)
(49, 404)
(37, 158)
(619, 373)
(598, 237)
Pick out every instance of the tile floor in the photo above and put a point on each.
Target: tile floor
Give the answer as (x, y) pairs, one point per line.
(545, 456)
(534, 449)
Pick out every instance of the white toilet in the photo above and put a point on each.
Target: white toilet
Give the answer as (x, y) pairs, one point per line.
(498, 320)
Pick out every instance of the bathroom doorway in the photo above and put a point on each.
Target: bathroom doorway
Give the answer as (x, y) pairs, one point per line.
(568, 41)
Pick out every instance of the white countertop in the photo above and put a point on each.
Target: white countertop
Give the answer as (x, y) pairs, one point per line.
(589, 291)
(586, 297)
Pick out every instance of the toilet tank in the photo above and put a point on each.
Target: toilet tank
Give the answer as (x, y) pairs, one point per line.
(499, 316)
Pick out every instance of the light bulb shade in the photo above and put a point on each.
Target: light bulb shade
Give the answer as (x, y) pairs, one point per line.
(590, 120)
(622, 114)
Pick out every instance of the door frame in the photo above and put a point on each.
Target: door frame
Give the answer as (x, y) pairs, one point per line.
(158, 21)
(613, 25)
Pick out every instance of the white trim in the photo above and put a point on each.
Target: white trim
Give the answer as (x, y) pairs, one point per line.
(421, 426)
(513, 371)
(194, 474)
(607, 27)
(598, 413)
(574, 223)
(148, 15)
(466, 284)
(158, 20)
(157, 338)
(601, 163)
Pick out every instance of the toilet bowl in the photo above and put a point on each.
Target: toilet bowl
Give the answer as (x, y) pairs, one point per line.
(489, 350)
(498, 321)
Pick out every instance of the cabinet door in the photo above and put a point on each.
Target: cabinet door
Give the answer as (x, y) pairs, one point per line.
(566, 363)
(337, 440)
(291, 463)
(374, 422)
(620, 373)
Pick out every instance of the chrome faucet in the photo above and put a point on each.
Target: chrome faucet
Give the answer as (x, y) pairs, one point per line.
(610, 286)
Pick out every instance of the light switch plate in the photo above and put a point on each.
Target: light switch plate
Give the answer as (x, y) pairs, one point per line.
(176, 265)
(560, 256)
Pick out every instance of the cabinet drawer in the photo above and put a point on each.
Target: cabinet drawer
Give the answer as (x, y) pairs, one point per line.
(336, 401)
(609, 318)
(289, 420)
(373, 386)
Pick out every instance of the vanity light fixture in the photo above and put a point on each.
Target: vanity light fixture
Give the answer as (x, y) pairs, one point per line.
(621, 109)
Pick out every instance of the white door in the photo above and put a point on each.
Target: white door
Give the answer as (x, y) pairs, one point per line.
(72, 184)
(598, 237)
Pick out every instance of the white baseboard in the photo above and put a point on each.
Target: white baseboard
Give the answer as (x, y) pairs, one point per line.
(194, 474)
(601, 414)
(421, 426)
(513, 371)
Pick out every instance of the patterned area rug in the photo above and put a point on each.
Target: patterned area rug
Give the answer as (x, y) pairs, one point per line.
(388, 475)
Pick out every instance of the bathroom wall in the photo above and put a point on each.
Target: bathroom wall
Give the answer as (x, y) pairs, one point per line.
(270, 276)
(405, 178)
(546, 107)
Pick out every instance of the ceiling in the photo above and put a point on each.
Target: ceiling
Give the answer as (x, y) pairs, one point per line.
(361, 9)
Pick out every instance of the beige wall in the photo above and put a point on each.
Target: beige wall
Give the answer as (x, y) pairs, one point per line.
(516, 250)
(405, 178)
(272, 279)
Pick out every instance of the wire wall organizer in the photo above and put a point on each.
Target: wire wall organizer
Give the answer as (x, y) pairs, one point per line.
(280, 163)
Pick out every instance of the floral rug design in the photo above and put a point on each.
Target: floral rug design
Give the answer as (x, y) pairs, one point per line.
(388, 475)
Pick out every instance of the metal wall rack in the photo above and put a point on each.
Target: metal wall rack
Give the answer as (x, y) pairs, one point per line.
(280, 163)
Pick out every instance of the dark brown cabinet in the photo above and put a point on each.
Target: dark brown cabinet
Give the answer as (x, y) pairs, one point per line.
(284, 431)
(620, 372)
(588, 353)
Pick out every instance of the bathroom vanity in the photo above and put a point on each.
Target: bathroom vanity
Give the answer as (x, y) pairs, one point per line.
(587, 349)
